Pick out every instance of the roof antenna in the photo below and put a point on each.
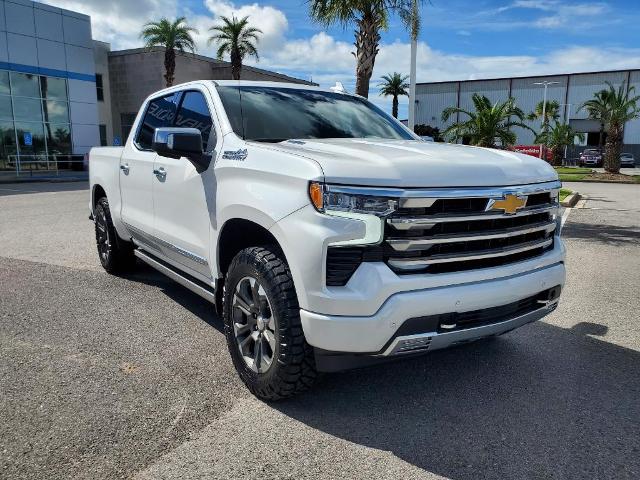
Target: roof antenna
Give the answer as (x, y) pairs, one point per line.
(338, 88)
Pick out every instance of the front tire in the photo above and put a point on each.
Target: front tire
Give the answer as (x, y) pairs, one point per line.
(116, 255)
(262, 325)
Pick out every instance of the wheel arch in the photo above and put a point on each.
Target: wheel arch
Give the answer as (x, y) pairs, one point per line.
(97, 193)
(239, 233)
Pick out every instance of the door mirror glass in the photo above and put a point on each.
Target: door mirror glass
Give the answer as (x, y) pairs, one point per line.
(176, 142)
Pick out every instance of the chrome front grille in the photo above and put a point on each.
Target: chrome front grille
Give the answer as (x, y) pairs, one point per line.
(454, 230)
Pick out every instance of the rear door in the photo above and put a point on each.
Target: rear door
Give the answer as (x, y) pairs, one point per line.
(183, 197)
(136, 168)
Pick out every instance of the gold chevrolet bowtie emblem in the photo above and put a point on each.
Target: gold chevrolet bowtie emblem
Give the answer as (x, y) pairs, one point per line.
(510, 204)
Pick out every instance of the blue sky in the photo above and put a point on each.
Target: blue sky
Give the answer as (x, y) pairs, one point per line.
(461, 39)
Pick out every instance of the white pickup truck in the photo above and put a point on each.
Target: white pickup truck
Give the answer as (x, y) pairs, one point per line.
(326, 233)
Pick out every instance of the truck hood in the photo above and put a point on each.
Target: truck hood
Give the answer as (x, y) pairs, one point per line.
(413, 163)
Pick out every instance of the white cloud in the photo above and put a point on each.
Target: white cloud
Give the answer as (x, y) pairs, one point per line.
(563, 14)
(270, 20)
(549, 22)
(119, 21)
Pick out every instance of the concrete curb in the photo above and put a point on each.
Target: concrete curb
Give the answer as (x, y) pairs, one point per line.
(604, 181)
(571, 200)
(7, 181)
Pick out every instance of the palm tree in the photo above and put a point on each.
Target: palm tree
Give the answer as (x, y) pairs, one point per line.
(236, 38)
(614, 107)
(370, 17)
(551, 112)
(394, 85)
(488, 124)
(597, 110)
(560, 136)
(172, 36)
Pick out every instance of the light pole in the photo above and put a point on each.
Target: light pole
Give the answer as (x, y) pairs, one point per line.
(546, 84)
(412, 85)
(415, 30)
(567, 121)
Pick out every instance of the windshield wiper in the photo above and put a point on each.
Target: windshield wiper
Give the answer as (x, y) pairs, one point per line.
(268, 140)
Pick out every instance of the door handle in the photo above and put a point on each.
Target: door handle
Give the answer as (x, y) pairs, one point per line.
(160, 173)
(125, 168)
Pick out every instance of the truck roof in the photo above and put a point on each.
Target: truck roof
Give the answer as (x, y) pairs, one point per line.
(255, 83)
(236, 83)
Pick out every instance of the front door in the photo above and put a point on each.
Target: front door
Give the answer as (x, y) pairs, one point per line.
(136, 169)
(183, 197)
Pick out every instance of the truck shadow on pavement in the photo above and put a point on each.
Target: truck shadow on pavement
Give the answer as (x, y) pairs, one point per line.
(540, 402)
(176, 292)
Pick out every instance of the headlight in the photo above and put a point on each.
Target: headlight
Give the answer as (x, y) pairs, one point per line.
(332, 198)
(555, 194)
(354, 203)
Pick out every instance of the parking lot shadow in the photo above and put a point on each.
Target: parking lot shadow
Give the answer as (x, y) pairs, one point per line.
(540, 402)
(602, 233)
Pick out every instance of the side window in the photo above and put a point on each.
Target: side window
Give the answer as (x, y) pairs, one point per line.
(194, 113)
(160, 113)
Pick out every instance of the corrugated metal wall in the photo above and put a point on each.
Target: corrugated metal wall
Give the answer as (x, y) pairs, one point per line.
(494, 90)
(432, 100)
(583, 86)
(528, 95)
(435, 97)
(632, 128)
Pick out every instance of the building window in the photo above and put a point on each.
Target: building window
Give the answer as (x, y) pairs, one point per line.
(126, 122)
(99, 88)
(35, 130)
(103, 135)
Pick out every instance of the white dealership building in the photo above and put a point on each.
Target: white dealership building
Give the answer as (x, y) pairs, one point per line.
(48, 104)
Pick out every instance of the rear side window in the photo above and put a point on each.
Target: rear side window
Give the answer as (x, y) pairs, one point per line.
(160, 113)
(194, 113)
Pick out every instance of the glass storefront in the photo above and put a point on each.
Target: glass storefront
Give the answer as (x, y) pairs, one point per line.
(35, 130)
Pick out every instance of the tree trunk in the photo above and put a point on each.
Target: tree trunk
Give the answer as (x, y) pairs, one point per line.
(367, 39)
(394, 107)
(557, 155)
(613, 149)
(236, 64)
(601, 137)
(169, 66)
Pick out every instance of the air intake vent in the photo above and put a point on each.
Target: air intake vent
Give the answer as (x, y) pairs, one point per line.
(342, 262)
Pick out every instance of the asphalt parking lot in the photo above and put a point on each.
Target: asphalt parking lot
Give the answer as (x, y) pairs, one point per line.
(108, 377)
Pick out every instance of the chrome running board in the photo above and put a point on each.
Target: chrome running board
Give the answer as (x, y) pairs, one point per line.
(207, 294)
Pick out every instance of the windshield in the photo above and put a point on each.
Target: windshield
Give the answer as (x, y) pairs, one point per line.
(271, 114)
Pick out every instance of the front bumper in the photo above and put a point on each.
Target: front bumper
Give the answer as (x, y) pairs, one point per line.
(376, 334)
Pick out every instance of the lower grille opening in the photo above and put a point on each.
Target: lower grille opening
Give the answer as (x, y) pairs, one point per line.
(456, 321)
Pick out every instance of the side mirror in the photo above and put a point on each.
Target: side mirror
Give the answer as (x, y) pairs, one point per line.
(176, 142)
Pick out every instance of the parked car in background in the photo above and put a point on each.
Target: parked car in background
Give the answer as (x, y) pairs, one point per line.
(591, 157)
(627, 160)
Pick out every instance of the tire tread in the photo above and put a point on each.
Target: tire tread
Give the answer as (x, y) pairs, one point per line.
(296, 370)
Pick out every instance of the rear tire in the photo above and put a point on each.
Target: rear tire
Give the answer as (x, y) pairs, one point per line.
(116, 255)
(262, 325)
